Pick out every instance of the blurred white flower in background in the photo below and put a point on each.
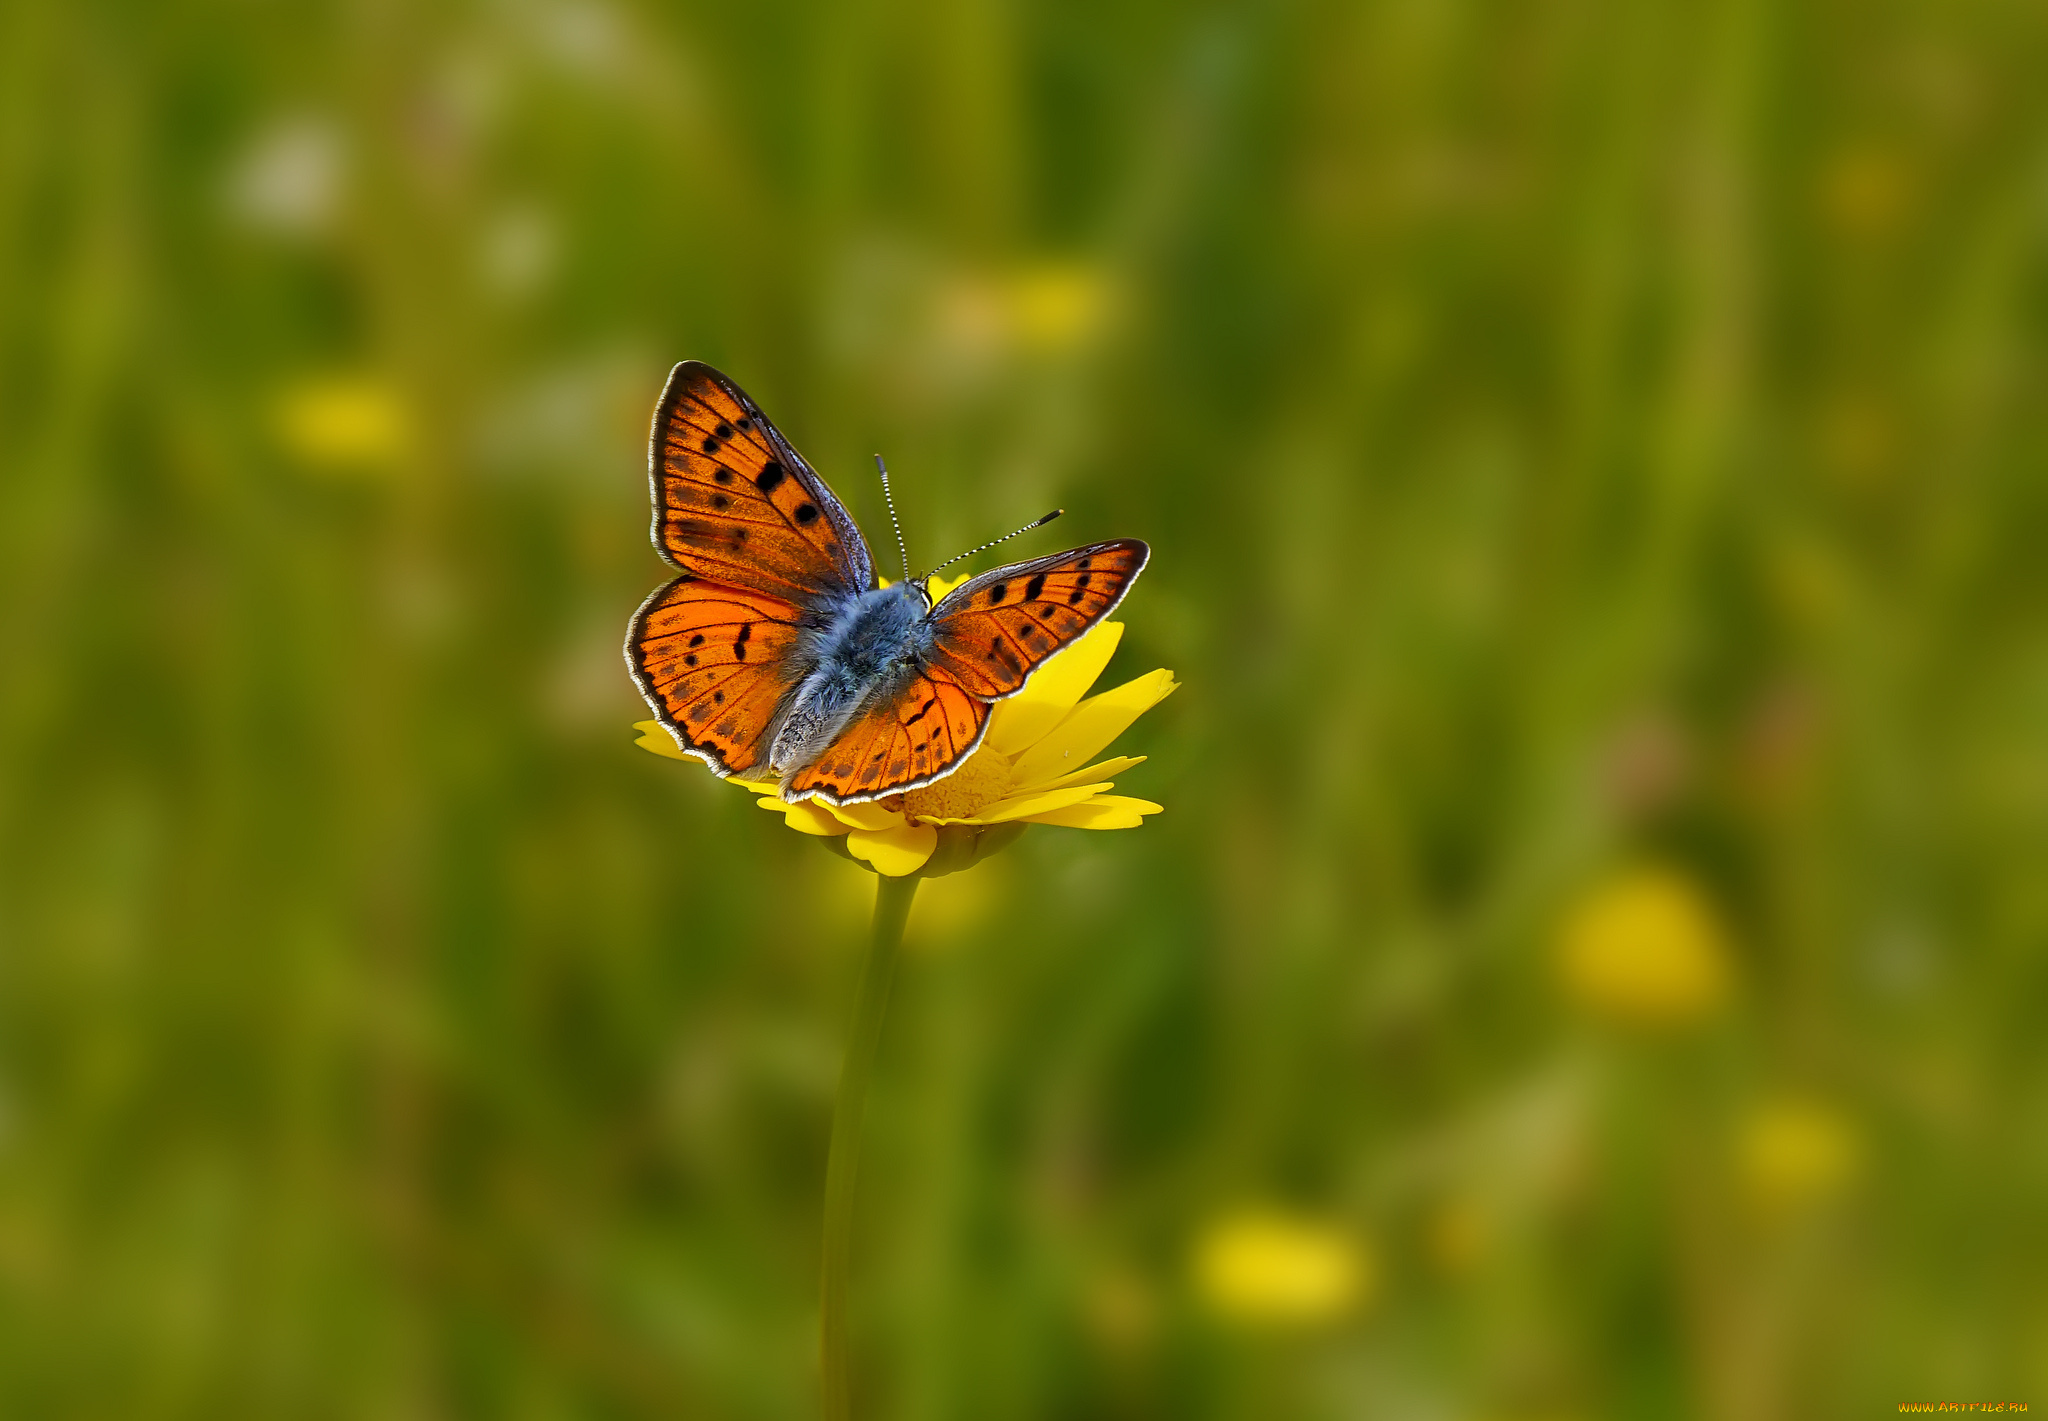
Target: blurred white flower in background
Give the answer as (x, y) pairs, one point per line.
(290, 177)
(581, 419)
(516, 255)
(939, 331)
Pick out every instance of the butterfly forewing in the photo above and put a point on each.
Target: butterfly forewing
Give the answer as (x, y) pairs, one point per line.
(994, 630)
(898, 744)
(708, 658)
(734, 503)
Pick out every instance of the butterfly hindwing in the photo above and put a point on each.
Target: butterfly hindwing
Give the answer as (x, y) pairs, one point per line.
(709, 659)
(734, 503)
(898, 744)
(994, 630)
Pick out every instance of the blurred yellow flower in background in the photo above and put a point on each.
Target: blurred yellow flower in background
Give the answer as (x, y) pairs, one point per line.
(1644, 948)
(343, 421)
(1032, 768)
(1794, 1153)
(1055, 306)
(1261, 1267)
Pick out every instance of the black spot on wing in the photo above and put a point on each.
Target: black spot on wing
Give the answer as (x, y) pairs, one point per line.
(998, 592)
(1035, 586)
(770, 477)
(806, 514)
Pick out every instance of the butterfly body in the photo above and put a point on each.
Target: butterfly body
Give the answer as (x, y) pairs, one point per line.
(870, 648)
(777, 654)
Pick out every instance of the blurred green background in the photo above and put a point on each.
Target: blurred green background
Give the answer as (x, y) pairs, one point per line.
(1591, 962)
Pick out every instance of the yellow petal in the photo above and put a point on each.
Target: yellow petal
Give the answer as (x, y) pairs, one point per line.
(756, 786)
(894, 852)
(655, 737)
(1105, 811)
(805, 818)
(1100, 770)
(1090, 726)
(870, 815)
(1022, 805)
(1053, 690)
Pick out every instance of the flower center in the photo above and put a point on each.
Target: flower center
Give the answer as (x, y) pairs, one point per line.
(983, 780)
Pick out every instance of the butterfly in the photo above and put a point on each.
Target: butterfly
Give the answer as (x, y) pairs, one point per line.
(777, 654)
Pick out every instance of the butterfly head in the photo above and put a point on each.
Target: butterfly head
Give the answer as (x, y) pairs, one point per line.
(917, 592)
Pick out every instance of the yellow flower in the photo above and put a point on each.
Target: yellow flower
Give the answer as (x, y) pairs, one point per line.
(1792, 1153)
(343, 421)
(1644, 949)
(1032, 768)
(1261, 1267)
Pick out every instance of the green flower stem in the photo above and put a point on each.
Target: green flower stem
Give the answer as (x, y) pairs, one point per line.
(892, 911)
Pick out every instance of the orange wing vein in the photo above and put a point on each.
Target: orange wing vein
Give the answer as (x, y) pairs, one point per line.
(994, 631)
(708, 658)
(899, 744)
(735, 503)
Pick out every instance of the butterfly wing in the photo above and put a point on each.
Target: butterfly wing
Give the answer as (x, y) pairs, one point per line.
(707, 656)
(994, 630)
(734, 503)
(900, 744)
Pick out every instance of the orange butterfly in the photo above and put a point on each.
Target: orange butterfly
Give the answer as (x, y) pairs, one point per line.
(778, 654)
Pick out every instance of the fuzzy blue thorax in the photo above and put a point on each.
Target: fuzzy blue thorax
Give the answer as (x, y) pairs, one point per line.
(869, 647)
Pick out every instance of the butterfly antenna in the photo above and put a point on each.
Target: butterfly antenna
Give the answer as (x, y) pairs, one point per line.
(901, 549)
(1040, 523)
